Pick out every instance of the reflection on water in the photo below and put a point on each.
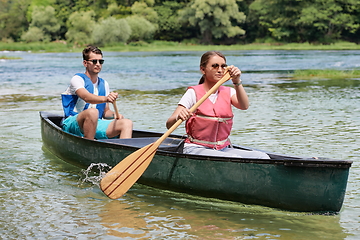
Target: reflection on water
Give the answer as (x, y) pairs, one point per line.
(122, 221)
(149, 213)
(42, 197)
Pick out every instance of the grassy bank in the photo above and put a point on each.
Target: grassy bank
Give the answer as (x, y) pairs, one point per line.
(327, 73)
(174, 46)
(7, 57)
(36, 47)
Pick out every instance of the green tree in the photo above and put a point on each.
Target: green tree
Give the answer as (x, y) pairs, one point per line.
(214, 18)
(110, 31)
(145, 10)
(117, 11)
(44, 22)
(169, 27)
(328, 19)
(37, 3)
(353, 34)
(126, 3)
(141, 29)
(80, 27)
(35, 34)
(278, 17)
(307, 20)
(13, 19)
(63, 10)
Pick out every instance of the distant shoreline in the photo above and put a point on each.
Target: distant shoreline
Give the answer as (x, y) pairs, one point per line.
(163, 46)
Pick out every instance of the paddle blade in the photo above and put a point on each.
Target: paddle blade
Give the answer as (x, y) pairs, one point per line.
(120, 179)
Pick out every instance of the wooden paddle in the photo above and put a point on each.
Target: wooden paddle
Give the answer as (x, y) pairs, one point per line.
(121, 177)
(117, 116)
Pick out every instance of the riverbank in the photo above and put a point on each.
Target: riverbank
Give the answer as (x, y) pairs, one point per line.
(325, 73)
(161, 46)
(9, 58)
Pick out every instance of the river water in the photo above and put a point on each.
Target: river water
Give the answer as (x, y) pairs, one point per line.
(43, 197)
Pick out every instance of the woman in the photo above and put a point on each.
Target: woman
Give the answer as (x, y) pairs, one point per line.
(209, 127)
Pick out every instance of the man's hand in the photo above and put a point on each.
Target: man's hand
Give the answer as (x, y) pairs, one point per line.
(112, 97)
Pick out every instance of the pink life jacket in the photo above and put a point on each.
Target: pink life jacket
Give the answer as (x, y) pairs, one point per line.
(211, 123)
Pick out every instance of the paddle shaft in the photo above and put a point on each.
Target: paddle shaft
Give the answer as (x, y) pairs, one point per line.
(117, 116)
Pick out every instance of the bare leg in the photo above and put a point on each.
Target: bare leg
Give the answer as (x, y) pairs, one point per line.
(87, 121)
(122, 127)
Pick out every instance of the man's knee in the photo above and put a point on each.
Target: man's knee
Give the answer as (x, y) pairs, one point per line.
(127, 123)
(86, 116)
(92, 112)
(124, 125)
(89, 114)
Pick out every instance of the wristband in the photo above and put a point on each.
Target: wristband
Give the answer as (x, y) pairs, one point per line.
(238, 84)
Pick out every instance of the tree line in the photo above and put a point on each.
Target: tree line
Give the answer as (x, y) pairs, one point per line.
(107, 22)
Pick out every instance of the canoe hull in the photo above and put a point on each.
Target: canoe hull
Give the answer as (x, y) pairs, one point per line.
(294, 184)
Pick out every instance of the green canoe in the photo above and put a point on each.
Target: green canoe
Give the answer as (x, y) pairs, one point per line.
(285, 182)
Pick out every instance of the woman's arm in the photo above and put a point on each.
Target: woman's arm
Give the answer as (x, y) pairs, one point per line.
(180, 112)
(240, 100)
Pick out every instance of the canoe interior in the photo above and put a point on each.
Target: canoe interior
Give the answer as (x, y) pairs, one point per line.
(174, 144)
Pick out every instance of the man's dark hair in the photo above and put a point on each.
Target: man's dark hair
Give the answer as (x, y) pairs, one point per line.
(89, 49)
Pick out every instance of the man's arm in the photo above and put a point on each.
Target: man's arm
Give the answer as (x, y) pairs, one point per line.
(89, 97)
(95, 99)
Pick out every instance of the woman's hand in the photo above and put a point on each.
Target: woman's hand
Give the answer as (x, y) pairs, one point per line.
(180, 112)
(184, 114)
(235, 74)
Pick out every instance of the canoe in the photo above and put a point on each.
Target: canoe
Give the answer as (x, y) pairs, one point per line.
(285, 182)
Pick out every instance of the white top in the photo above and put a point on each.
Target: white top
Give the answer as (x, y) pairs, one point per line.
(78, 82)
(189, 98)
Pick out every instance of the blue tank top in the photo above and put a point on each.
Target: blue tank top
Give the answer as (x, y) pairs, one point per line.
(69, 101)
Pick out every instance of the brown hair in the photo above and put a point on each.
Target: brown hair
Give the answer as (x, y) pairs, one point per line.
(205, 59)
(89, 49)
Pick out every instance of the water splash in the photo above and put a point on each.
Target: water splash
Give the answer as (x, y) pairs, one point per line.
(94, 176)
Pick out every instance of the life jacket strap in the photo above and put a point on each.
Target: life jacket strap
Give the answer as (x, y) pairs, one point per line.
(224, 120)
(207, 142)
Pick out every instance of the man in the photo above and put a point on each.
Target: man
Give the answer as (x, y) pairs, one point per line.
(86, 103)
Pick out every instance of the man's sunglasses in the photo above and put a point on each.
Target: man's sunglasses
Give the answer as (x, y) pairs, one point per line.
(94, 61)
(216, 65)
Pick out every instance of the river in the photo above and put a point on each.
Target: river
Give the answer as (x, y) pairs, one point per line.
(43, 197)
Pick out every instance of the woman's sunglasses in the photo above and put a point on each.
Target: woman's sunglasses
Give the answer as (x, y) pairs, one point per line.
(216, 65)
(94, 61)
